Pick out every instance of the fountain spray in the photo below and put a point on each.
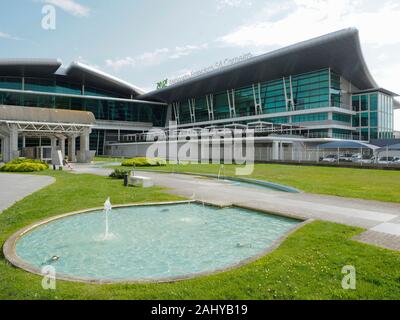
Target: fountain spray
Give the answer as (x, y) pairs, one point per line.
(107, 209)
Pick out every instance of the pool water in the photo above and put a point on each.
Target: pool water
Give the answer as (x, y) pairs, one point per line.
(151, 242)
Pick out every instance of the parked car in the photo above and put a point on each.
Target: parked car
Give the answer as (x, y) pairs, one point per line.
(387, 160)
(347, 157)
(358, 158)
(330, 158)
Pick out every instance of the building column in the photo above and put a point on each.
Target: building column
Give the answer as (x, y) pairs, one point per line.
(53, 141)
(23, 142)
(13, 143)
(62, 146)
(72, 148)
(275, 150)
(84, 152)
(281, 151)
(3, 147)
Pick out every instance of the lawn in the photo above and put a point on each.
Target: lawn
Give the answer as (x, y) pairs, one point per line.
(382, 185)
(306, 266)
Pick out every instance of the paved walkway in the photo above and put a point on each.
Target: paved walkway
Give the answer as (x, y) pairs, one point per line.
(15, 187)
(381, 219)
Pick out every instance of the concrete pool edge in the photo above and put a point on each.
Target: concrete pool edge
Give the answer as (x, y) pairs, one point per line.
(10, 254)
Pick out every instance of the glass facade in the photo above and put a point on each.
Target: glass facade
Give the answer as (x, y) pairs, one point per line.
(294, 99)
(57, 93)
(309, 91)
(374, 118)
(312, 90)
(54, 85)
(103, 109)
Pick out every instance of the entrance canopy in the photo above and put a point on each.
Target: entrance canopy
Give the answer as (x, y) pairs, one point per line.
(58, 125)
(394, 147)
(347, 145)
(41, 120)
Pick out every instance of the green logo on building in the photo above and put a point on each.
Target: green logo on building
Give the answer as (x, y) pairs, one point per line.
(162, 84)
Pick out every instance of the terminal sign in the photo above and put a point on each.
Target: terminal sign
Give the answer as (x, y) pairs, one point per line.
(218, 65)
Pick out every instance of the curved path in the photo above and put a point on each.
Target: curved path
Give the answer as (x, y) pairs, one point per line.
(381, 219)
(15, 187)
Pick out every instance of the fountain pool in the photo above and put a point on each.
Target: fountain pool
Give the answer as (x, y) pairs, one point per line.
(151, 243)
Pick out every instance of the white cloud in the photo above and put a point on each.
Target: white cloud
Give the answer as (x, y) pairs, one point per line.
(223, 4)
(86, 62)
(145, 59)
(155, 57)
(388, 74)
(70, 6)
(186, 50)
(8, 36)
(311, 18)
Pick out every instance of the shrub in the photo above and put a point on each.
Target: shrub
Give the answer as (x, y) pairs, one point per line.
(24, 165)
(119, 173)
(144, 162)
(161, 162)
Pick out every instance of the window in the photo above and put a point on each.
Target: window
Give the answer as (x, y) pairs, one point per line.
(310, 117)
(356, 103)
(341, 117)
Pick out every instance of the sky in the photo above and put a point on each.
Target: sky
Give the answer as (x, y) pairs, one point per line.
(146, 41)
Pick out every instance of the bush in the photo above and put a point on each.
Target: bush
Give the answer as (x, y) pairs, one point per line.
(24, 165)
(144, 162)
(119, 173)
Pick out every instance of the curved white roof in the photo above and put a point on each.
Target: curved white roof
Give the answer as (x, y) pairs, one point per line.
(340, 51)
(81, 69)
(76, 71)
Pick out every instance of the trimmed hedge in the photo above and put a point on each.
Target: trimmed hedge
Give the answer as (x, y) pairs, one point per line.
(24, 165)
(119, 173)
(144, 162)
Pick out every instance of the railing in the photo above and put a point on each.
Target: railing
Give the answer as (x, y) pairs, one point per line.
(252, 113)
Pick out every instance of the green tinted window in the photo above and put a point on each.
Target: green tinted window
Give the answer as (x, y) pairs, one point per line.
(341, 117)
(374, 102)
(310, 117)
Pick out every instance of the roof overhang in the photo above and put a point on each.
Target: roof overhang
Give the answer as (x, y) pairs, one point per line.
(17, 114)
(382, 90)
(75, 72)
(396, 104)
(340, 51)
(83, 72)
(345, 144)
(29, 67)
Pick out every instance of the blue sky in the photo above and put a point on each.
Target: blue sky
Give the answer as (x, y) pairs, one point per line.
(149, 40)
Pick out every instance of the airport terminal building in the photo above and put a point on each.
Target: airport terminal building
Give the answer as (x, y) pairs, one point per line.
(317, 90)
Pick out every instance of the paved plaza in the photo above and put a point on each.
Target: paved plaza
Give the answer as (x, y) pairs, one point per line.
(15, 187)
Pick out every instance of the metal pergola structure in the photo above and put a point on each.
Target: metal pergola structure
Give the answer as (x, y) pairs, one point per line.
(57, 125)
(45, 128)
